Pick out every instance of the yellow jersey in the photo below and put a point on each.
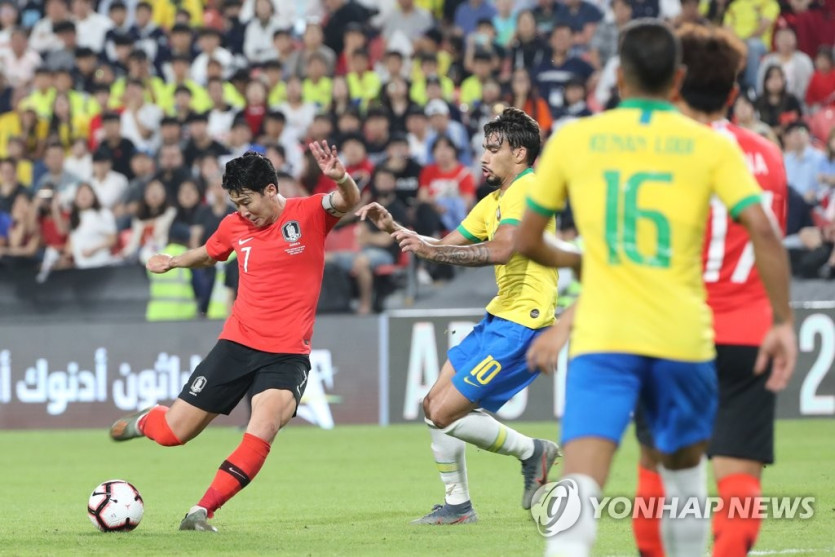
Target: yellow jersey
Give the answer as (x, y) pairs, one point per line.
(640, 179)
(527, 291)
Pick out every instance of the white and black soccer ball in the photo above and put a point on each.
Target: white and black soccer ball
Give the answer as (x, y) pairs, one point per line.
(115, 506)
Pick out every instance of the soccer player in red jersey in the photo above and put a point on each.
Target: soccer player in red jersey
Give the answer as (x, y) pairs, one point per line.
(743, 434)
(263, 351)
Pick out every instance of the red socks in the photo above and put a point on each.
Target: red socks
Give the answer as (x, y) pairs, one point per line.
(154, 427)
(235, 472)
(647, 529)
(735, 536)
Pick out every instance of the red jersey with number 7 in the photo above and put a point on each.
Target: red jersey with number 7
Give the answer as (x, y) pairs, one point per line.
(735, 293)
(280, 275)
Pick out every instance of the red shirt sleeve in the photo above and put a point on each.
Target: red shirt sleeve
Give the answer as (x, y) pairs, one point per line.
(219, 246)
(426, 176)
(327, 219)
(467, 184)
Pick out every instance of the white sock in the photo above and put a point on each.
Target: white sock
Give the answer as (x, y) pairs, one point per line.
(485, 432)
(451, 461)
(685, 537)
(578, 539)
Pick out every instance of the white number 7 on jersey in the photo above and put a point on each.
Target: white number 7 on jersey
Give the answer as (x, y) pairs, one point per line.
(716, 248)
(246, 250)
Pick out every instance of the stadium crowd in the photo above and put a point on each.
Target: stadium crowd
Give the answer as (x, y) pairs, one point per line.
(117, 117)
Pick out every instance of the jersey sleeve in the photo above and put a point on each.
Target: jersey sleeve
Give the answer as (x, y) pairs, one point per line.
(219, 245)
(548, 191)
(733, 182)
(474, 225)
(329, 220)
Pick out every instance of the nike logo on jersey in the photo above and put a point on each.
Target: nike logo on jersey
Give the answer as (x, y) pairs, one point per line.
(469, 381)
(242, 242)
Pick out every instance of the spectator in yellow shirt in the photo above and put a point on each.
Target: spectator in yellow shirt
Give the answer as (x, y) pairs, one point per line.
(43, 93)
(180, 66)
(471, 87)
(363, 83)
(429, 68)
(753, 22)
(316, 87)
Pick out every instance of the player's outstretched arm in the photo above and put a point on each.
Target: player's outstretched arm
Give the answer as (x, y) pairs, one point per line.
(453, 249)
(193, 258)
(535, 243)
(348, 195)
(380, 217)
(780, 343)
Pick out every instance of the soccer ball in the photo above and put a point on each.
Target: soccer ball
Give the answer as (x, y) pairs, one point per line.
(115, 506)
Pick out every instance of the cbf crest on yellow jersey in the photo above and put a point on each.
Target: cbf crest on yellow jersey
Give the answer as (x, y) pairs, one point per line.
(527, 291)
(640, 178)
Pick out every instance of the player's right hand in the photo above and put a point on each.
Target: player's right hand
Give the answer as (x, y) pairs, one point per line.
(378, 215)
(159, 263)
(779, 346)
(545, 349)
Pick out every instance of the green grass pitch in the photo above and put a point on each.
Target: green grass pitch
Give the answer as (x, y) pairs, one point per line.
(349, 491)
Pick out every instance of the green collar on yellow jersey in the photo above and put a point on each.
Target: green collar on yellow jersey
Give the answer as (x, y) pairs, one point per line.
(523, 173)
(647, 107)
(646, 104)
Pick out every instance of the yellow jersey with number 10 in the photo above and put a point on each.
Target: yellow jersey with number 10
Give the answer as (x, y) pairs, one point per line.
(527, 291)
(640, 179)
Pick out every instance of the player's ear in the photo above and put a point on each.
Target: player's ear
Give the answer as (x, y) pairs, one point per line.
(271, 190)
(732, 96)
(520, 155)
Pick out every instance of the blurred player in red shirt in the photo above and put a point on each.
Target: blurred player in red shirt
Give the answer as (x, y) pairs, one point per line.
(263, 350)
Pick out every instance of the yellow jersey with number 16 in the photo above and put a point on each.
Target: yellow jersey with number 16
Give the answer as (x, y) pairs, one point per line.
(640, 179)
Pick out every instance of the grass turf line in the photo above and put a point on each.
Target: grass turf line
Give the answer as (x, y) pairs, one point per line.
(349, 491)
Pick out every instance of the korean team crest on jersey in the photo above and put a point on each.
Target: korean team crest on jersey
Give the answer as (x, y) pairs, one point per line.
(197, 385)
(291, 231)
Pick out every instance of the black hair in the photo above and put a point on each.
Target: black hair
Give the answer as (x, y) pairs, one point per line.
(518, 129)
(713, 57)
(75, 213)
(650, 54)
(450, 143)
(250, 171)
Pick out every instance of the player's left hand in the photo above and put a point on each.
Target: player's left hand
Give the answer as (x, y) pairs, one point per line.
(328, 160)
(545, 349)
(779, 346)
(411, 242)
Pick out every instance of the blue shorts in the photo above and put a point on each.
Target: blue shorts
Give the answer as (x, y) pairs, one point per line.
(490, 365)
(679, 399)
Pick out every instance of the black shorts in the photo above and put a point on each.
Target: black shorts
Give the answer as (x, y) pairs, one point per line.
(232, 370)
(744, 426)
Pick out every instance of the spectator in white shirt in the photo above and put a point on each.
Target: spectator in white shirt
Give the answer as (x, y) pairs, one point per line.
(222, 114)
(8, 21)
(18, 61)
(411, 20)
(92, 230)
(42, 38)
(111, 187)
(258, 38)
(140, 120)
(299, 113)
(797, 66)
(79, 162)
(91, 26)
(209, 43)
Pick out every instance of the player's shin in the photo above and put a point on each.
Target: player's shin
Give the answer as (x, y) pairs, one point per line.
(734, 536)
(684, 536)
(451, 461)
(236, 472)
(646, 525)
(154, 426)
(485, 432)
(577, 540)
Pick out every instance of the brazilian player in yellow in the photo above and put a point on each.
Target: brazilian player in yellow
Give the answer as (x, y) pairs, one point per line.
(488, 367)
(640, 179)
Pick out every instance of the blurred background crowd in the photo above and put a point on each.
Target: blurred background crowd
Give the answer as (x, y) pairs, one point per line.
(118, 116)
